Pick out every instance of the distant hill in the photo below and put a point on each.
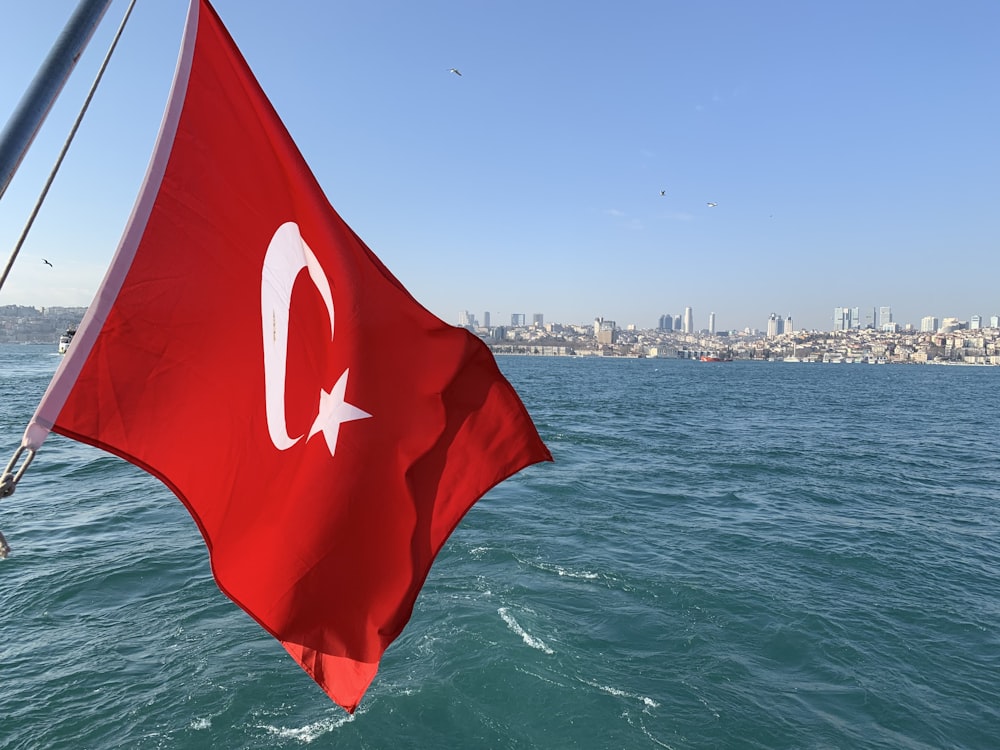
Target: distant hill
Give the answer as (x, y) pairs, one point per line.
(20, 324)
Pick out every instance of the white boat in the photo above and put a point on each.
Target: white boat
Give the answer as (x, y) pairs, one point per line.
(65, 339)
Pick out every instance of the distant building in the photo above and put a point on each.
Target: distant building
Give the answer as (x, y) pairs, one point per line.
(486, 319)
(950, 324)
(605, 331)
(928, 324)
(711, 323)
(465, 319)
(846, 318)
(884, 317)
(976, 321)
(688, 320)
(841, 318)
(538, 320)
(678, 323)
(775, 326)
(789, 328)
(666, 323)
(995, 321)
(517, 320)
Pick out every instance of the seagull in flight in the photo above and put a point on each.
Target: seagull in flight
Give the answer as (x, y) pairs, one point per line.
(47, 263)
(455, 71)
(712, 205)
(663, 192)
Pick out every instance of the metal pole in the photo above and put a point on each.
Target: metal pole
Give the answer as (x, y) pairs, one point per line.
(27, 119)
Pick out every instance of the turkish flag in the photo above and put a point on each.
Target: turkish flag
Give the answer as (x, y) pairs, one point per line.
(326, 432)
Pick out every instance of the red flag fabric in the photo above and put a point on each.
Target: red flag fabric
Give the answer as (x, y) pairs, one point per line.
(326, 432)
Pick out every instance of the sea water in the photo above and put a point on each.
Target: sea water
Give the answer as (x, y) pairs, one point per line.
(723, 555)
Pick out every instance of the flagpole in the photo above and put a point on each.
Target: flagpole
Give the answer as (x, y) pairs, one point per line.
(24, 124)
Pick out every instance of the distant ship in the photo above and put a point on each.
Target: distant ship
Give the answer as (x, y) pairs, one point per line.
(65, 340)
(714, 358)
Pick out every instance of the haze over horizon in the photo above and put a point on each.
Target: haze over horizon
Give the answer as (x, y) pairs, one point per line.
(850, 150)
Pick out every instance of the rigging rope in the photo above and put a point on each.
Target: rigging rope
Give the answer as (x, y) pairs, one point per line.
(10, 478)
(65, 148)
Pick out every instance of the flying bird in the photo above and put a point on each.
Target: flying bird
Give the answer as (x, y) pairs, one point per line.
(663, 192)
(712, 205)
(454, 70)
(47, 263)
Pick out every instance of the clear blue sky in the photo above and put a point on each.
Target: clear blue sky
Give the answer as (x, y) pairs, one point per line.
(853, 149)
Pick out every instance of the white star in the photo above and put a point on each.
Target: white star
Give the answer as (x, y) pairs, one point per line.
(333, 412)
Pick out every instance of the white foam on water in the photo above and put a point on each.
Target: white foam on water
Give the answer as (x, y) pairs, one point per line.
(584, 574)
(199, 724)
(652, 738)
(525, 635)
(618, 692)
(310, 732)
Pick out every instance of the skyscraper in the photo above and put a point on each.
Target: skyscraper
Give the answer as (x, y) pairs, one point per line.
(772, 326)
(884, 316)
(688, 320)
(846, 318)
(711, 323)
(486, 319)
(928, 324)
(841, 318)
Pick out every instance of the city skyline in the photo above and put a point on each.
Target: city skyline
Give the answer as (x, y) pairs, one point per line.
(624, 162)
(876, 317)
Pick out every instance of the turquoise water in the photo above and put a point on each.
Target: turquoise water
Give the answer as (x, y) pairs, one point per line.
(738, 555)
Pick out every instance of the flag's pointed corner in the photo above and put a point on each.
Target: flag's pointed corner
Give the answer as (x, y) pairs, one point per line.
(344, 680)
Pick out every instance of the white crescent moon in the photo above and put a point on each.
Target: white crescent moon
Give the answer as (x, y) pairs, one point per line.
(287, 254)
